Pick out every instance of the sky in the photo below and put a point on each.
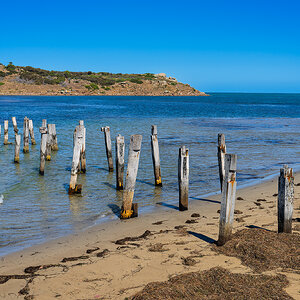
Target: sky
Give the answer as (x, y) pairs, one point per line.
(215, 46)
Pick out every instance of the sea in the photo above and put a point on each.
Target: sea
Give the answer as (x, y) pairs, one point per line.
(262, 129)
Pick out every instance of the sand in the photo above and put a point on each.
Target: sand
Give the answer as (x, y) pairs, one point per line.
(100, 263)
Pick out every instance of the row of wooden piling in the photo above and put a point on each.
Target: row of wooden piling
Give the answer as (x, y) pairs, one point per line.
(227, 171)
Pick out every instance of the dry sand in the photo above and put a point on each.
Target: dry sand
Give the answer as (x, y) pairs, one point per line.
(91, 265)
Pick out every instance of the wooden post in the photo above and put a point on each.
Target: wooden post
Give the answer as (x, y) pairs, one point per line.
(17, 148)
(155, 156)
(132, 169)
(106, 131)
(120, 152)
(52, 137)
(43, 152)
(285, 199)
(183, 178)
(5, 132)
(44, 138)
(49, 142)
(77, 146)
(26, 135)
(82, 149)
(221, 157)
(14, 121)
(228, 199)
(30, 124)
(44, 123)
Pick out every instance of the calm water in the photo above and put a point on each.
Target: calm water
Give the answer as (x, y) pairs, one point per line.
(263, 129)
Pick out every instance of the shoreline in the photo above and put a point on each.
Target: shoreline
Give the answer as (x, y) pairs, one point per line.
(145, 210)
(101, 95)
(149, 209)
(161, 223)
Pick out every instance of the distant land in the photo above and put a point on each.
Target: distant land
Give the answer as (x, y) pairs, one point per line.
(17, 80)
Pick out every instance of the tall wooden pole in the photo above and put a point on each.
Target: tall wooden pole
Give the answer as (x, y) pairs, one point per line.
(183, 178)
(82, 151)
(285, 199)
(155, 156)
(5, 132)
(49, 142)
(106, 131)
(14, 121)
(26, 135)
(44, 138)
(228, 199)
(52, 137)
(120, 152)
(43, 153)
(221, 157)
(77, 145)
(30, 124)
(17, 148)
(132, 169)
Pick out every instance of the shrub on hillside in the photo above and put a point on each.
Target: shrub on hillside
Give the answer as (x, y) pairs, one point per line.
(92, 87)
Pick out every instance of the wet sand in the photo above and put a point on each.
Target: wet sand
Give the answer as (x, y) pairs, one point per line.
(99, 264)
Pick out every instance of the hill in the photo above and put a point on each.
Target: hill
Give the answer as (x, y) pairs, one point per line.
(17, 80)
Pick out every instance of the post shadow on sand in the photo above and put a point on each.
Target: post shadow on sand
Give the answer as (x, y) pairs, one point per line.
(115, 209)
(202, 237)
(168, 205)
(207, 200)
(257, 227)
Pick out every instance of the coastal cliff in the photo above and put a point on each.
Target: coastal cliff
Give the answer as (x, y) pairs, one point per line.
(17, 80)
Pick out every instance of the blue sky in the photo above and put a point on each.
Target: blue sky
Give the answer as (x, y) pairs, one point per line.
(239, 46)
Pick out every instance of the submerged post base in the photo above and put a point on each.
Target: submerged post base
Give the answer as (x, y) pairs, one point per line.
(128, 214)
(76, 190)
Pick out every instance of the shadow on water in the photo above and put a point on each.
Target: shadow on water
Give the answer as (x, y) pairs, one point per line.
(168, 205)
(66, 187)
(206, 200)
(110, 185)
(202, 237)
(115, 209)
(145, 182)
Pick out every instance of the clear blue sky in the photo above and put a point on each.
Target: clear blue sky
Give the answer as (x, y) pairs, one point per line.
(245, 45)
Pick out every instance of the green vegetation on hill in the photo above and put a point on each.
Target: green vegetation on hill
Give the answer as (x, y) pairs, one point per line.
(104, 79)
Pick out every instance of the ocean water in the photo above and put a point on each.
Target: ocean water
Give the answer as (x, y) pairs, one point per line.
(262, 129)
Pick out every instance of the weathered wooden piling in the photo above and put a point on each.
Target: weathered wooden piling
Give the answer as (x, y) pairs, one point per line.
(52, 137)
(6, 133)
(49, 142)
(14, 121)
(107, 138)
(221, 157)
(127, 210)
(155, 156)
(77, 146)
(44, 138)
(43, 152)
(82, 149)
(120, 152)
(183, 178)
(44, 123)
(26, 135)
(30, 124)
(228, 199)
(285, 199)
(17, 148)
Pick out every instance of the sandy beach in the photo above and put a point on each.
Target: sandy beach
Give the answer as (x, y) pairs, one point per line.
(100, 264)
